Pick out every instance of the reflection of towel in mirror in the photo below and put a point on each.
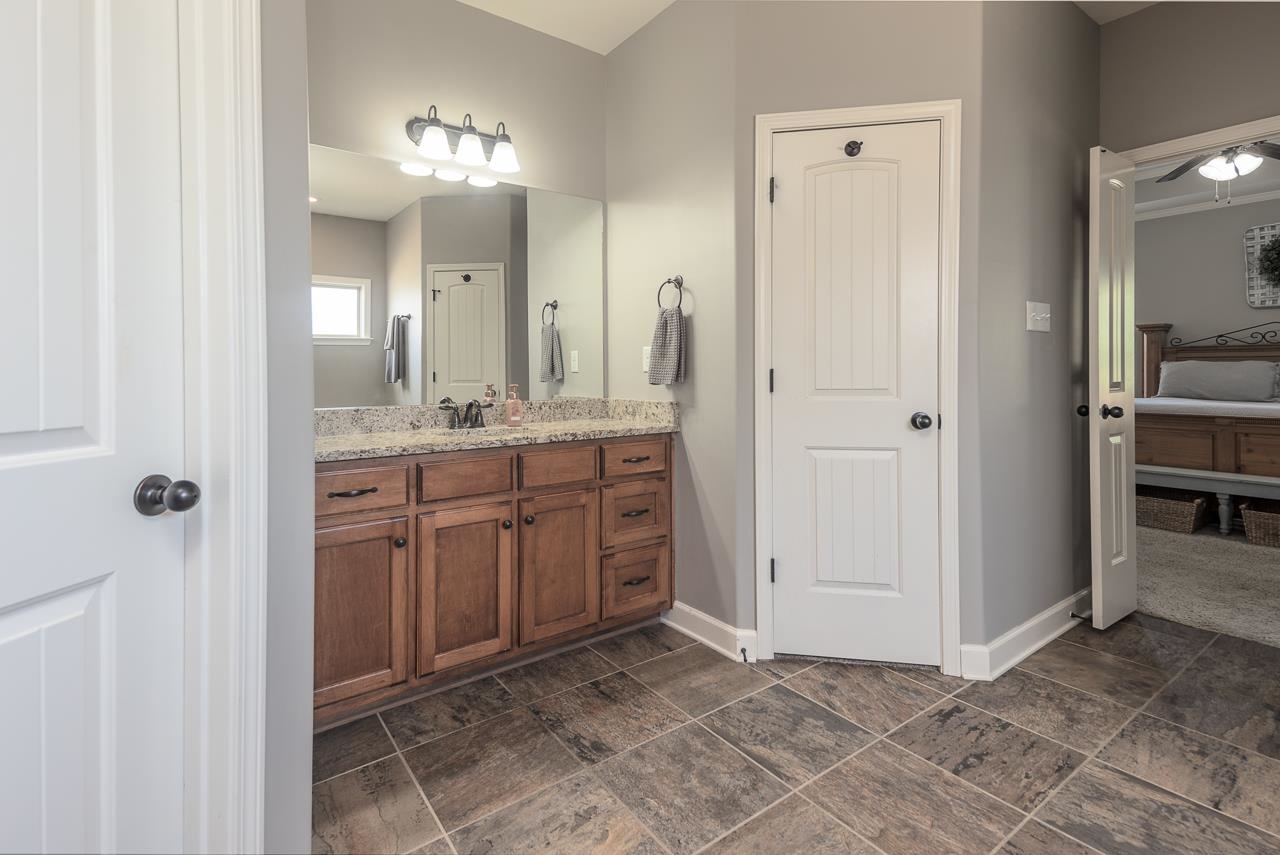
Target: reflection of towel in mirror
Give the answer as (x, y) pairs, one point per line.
(552, 358)
(667, 356)
(394, 345)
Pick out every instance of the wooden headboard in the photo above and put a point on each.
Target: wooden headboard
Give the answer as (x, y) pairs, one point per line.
(1261, 341)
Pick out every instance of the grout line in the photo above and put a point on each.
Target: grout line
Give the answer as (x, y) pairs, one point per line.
(838, 820)
(393, 753)
(906, 672)
(417, 785)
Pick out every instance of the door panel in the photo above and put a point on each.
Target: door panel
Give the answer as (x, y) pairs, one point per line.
(465, 583)
(469, 347)
(1111, 385)
(91, 401)
(855, 347)
(559, 569)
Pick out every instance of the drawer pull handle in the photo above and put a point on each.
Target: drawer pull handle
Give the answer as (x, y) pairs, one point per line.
(639, 513)
(631, 583)
(641, 459)
(351, 494)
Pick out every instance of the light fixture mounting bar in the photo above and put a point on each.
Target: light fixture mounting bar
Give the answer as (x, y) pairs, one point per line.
(415, 126)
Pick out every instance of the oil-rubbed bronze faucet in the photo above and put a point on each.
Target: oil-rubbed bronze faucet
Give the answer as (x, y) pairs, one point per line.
(451, 406)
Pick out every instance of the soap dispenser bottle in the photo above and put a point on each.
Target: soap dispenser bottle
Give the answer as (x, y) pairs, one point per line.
(515, 407)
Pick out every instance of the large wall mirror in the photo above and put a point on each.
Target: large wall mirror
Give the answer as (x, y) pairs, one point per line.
(474, 272)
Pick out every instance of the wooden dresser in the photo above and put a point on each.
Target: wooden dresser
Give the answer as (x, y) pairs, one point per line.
(433, 567)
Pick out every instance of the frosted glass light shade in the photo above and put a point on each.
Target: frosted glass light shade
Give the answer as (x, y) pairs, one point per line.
(481, 181)
(450, 175)
(470, 149)
(435, 142)
(504, 156)
(1221, 169)
(1247, 161)
(421, 170)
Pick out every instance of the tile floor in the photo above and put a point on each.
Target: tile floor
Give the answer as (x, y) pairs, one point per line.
(1151, 737)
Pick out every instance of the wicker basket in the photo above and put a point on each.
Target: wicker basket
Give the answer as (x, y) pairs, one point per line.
(1261, 521)
(1171, 510)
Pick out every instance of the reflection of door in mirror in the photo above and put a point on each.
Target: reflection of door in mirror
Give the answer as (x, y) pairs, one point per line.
(468, 346)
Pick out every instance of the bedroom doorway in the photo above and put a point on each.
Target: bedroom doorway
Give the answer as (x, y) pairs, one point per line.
(1198, 340)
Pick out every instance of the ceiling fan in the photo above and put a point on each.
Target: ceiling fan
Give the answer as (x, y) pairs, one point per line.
(1229, 164)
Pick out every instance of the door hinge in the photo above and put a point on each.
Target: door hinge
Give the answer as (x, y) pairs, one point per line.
(433, 377)
(770, 381)
(773, 186)
(939, 421)
(772, 564)
(435, 294)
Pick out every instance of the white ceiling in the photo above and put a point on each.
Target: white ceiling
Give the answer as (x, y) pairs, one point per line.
(1106, 11)
(597, 25)
(370, 188)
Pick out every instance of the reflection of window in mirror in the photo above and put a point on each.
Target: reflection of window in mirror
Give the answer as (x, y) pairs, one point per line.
(340, 310)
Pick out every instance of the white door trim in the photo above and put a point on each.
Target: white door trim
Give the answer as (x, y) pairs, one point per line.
(948, 113)
(224, 297)
(429, 353)
(1148, 157)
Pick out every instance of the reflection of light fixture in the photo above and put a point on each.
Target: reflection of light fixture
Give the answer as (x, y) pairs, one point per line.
(1230, 167)
(470, 149)
(434, 142)
(504, 153)
(481, 181)
(312, 199)
(450, 175)
(431, 137)
(418, 170)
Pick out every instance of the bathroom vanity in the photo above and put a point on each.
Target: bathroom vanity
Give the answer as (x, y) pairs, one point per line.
(444, 553)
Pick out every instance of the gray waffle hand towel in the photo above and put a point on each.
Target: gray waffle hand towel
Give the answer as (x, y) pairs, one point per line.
(394, 345)
(668, 356)
(552, 357)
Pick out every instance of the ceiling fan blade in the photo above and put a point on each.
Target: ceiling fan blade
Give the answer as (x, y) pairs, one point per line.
(1266, 149)
(1187, 167)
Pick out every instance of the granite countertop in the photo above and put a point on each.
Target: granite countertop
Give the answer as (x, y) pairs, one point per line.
(353, 434)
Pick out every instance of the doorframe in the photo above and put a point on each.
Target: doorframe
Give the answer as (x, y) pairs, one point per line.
(1148, 157)
(225, 417)
(948, 114)
(429, 354)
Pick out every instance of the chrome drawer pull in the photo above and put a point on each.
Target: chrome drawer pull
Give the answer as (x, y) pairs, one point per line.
(638, 513)
(631, 583)
(351, 494)
(641, 459)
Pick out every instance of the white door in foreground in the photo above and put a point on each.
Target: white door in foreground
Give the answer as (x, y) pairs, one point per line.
(470, 331)
(1113, 525)
(91, 401)
(854, 410)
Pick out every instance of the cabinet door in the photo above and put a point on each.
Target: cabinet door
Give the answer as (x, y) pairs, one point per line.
(361, 608)
(559, 570)
(466, 575)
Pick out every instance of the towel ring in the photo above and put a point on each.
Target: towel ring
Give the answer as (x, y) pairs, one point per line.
(552, 305)
(677, 281)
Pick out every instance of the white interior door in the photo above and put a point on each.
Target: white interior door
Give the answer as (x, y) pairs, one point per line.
(855, 297)
(1111, 386)
(91, 400)
(470, 331)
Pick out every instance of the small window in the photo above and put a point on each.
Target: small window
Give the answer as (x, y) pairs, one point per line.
(339, 310)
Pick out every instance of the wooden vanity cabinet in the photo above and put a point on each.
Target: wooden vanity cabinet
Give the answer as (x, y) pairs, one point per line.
(460, 562)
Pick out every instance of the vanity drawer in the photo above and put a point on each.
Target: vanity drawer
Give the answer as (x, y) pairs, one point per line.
(634, 511)
(633, 458)
(561, 466)
(353, 490)
(634, 580)
(457, 479)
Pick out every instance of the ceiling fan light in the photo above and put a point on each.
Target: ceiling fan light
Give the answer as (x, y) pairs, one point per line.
(1247, 161)
(504, 153)
(450, 175)
(418, 170)
(1218, 169)
(481, 181)
(470, 149)
(434, 143)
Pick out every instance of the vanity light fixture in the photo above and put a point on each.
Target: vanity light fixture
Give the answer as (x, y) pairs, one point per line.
(481, 181)
(432, 138)
(418, 170)
(450, 175)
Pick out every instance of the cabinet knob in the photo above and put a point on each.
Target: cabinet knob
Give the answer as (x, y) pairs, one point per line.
(401, 542)
(506, 523)
(528, 520)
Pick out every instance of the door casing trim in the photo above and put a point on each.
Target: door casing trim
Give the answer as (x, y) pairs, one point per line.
(948, 114)
(429, 311)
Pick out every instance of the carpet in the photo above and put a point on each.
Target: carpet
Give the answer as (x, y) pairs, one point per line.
(1219, 583)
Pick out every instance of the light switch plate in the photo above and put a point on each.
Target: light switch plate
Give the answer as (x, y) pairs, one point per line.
(1038, 317)
(644, 359)
(573, 361)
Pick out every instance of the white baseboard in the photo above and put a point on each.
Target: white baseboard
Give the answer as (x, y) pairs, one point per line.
(988, 661)
(716, 634)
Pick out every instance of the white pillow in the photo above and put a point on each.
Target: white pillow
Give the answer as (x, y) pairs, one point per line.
(1219, 381)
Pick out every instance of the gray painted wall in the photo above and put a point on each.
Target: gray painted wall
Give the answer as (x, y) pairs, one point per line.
(1189, 270)
(290, 464)
(374, 66)
(1181, 68)
(404, 294)
(351, 375)
(566, 264)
